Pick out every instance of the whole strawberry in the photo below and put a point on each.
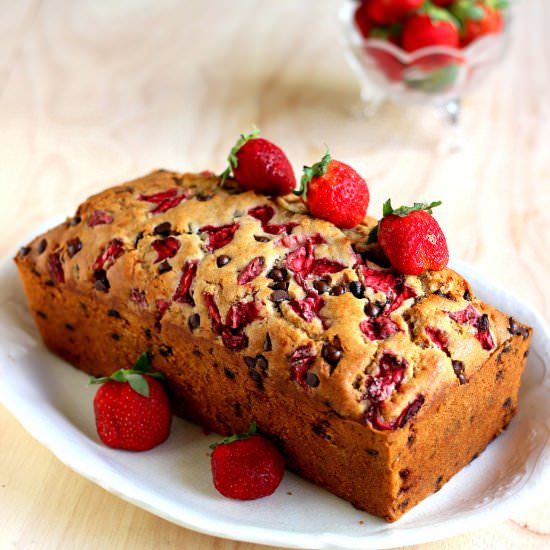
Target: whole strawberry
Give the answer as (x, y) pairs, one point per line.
(431, 26)
(132, 408)
(478, 18)
(388, 12)
(335, 192)
(411, 238)
(246, 466)
(259, 165)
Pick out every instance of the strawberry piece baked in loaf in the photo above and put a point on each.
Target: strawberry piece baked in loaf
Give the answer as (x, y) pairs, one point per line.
(375, 385)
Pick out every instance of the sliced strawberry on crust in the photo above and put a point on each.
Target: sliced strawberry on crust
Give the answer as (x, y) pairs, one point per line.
(183, 291)
(164, 200)
(220, 235)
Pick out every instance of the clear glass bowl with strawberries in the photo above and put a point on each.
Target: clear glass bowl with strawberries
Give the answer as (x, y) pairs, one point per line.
(423, 51)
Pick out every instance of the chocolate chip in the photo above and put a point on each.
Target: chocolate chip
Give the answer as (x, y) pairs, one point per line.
(203, 197)
(513, 326)
(24, 250)
(166, 350)
(70, 327)
(138, 238)
(257, 378)
(279, 295)
(42, 246)
(49, 283)
(357, 289)
(438, 481)
(74, 246)
(113, 313)
(404, 474)
(372, 310)
(250, 361)
(321, 429)
(41, 314)
(148, 333)
(115, 336)
(507, 403)
(338, 290)
(194, 321)
(467, 296)
(164, 267)
(261, 239)
(321, 286)
(277, 274)
(500, 374)
(458, 367)
(281, 285)
(507, 348)
(222, 260)
(524, 332)
(483, 323)
(331, 354)
(75, 221)
(312, 380)
(229, 373)
(163, 229)
(101, 281)
(372, 452)
(267, 342)
(262, 363)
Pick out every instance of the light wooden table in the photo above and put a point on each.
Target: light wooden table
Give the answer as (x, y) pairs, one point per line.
(92, 93)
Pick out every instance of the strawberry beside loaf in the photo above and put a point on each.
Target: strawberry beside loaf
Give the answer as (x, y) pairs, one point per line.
(375, 385)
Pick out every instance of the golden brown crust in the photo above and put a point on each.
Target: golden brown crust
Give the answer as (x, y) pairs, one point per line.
(347, 376)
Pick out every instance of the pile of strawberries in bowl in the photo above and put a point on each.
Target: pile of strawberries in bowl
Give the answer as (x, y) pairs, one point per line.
(418, 49)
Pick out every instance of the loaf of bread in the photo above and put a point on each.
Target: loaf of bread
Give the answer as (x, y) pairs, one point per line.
(375, 385)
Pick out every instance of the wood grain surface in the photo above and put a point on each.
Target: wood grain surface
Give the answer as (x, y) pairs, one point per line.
(93, 93)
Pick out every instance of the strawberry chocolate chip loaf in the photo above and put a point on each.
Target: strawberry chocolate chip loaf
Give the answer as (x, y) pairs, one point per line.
(375, 384)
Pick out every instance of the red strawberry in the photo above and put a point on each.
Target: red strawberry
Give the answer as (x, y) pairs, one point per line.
(411, 238)
(389, 64)
(387, 12)
(132, 409)
(335, 192)
(246, 466)
(434, 27)
(478, 19)
(362, 20)
(259, 165)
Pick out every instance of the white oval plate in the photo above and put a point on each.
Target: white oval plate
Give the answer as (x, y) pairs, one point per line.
(54, 403)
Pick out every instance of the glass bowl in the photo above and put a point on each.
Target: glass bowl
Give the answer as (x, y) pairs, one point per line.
(437, 74)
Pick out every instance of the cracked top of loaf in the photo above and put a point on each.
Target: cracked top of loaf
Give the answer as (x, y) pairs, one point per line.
(309, 308)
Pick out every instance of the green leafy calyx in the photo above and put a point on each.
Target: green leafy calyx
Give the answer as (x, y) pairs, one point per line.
(237, 437)
(317, 170)
(133, 376)
(437, 14)
(232, 160)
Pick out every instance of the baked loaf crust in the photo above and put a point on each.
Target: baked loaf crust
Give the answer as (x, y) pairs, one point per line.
(375, 385)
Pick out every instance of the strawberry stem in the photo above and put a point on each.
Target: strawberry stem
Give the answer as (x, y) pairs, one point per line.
(310, 172)
(252, 430)
(133, 376)
(232, 157)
